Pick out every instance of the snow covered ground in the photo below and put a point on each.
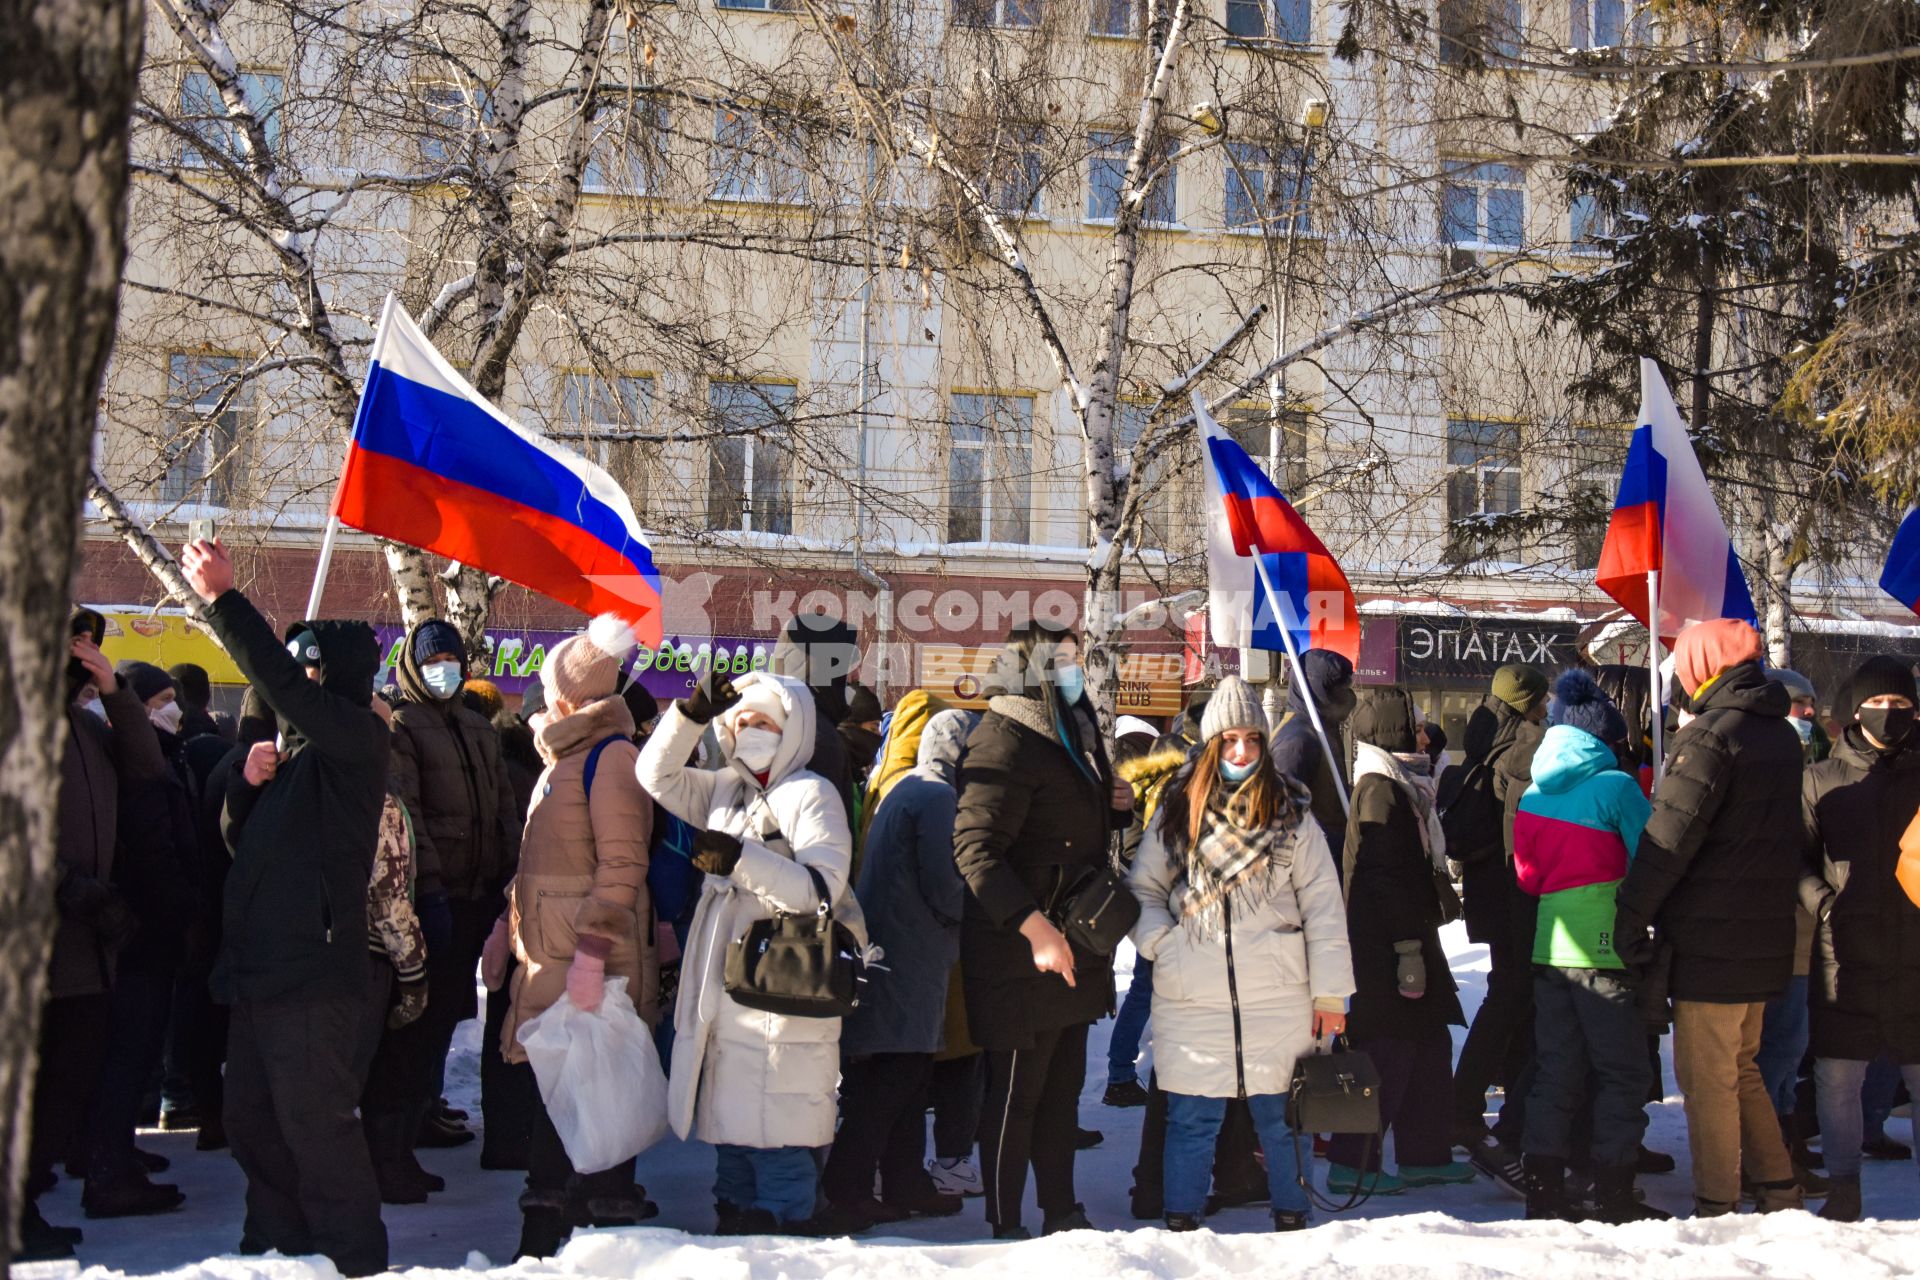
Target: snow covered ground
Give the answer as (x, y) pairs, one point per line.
(1463, 1233)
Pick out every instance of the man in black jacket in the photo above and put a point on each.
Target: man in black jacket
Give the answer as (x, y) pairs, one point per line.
(1860, 805)
(1718, 873)
(1297, 752)
(302, 824)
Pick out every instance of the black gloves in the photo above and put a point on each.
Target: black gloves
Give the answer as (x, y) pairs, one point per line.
(711, 696)
(409, 1002)
(1632, 941)
(715, 852)
(1411, 970)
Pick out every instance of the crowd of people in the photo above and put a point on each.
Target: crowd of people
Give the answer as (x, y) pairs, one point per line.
(274, 927)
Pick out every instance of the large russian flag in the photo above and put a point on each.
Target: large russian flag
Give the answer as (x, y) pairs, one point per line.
(1665, 519)
(1256, 540)
(433, 465)
(1901, 576)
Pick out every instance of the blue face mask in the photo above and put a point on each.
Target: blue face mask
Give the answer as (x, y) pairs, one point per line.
(1238, 772)
(1802, 727)
(1071, 682)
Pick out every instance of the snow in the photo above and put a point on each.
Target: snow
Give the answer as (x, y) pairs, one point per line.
(1452, 1233)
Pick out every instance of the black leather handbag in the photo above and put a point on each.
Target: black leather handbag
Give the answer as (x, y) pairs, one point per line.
(800, 966)
(1100, 912)
(1337, 1092)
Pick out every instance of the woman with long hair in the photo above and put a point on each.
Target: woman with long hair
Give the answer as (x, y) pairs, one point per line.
(1242, 917)
(1037, 803)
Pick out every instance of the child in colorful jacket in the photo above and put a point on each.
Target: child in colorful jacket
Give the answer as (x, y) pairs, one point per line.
(1578, 825)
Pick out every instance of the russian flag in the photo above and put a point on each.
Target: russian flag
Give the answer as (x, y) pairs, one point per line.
(1901, 577)
(1265, 568)
(1665, 519)
(433, 465)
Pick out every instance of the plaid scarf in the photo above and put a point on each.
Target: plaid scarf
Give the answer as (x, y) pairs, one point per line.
(1232, 861)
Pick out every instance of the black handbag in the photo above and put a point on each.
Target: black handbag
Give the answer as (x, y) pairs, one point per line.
(1100, 912)
(1337, 1092)
(800, 966)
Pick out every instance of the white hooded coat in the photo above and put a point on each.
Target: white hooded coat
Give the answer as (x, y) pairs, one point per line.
(742, 1076)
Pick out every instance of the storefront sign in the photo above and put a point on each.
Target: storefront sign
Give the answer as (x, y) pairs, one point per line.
(1467, 651)
(515, 658)
(164, 639)
(1149, 682)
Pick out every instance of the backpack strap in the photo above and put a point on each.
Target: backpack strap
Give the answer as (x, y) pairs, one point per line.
(593, 761)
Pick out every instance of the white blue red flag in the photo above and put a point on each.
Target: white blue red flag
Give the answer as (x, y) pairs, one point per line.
(434, 465)
(1901, 576)
(1665, 519)
(1265, 568)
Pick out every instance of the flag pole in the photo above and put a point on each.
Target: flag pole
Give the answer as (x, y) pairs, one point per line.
(1653, 674)
(332, 533)
(320, 570)
(1300, 678)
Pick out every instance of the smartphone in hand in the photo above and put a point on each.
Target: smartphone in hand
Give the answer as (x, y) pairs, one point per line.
(202, 530)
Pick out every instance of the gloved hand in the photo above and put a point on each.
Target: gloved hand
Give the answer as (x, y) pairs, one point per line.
(710, 697)
(586, 981)
(1632, 940)
(409, 1002)
(436, 921)
(715, 852)
(494, 956)
(1411, 969)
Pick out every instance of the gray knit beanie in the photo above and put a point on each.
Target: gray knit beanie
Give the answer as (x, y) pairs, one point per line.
(1232, 706)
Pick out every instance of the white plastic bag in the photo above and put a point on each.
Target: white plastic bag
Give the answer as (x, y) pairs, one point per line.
(600, 1077)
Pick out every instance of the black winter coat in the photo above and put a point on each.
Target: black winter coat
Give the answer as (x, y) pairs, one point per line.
(159, 866)
(1031, 821)
(1481, 840)
(1865, 992)
(1718, 869)
(1390, 898)
(448, 771)
(295, 911)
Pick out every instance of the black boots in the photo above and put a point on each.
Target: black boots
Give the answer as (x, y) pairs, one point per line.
(1545, 1178)
(1843, 1200)
(1614, 1201)
(543, 1224)
(1182, 1222)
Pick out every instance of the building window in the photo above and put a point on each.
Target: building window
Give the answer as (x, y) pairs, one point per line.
(755, 161)
(206, 416)
(996, 13)
(1160, 478)
(1484, 206)
(748, 482)
(1602, 24)
(626, 158)
(990, 469)
(1289, 20)
(765, 6)
(1116, 17)
(1283, 455)
(1483, 461)
(1016, 171)
(602, 415)
(1588, 223)
(1256, 173)
(452, 116)
(203, 112)
(1476, 32)
(1598, 454)
(1107, 173)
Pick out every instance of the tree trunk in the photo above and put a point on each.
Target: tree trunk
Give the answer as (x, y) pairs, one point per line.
(470, 593)
(67, 75)
(412, 581)
(1778, 589)
(1102, 650)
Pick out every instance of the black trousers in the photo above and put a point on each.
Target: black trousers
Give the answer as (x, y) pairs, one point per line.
(1499, 1044)
(141, 1004)
(957, 1091)
(883, 1126)
(509, 1094)
(293, 1081)
(1590, 1068)
(73, 1044)
(1032, 1117)
(1235, 1166)
(196, 1044)
(450, 984)
(1413, 1103)
(550, 1173)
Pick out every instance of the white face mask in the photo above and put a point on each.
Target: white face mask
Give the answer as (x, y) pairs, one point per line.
(96, 706)
(755, 748)
(167, 717)
(442, 678)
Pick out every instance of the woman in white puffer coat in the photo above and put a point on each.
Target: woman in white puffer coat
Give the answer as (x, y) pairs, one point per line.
(1242, 916)
(758, 1086)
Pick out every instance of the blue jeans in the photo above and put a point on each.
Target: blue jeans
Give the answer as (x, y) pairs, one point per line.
(1783, 1042)
(1123, 1050)
(1193, 1126)
(1836, 1083)
(782, 1180)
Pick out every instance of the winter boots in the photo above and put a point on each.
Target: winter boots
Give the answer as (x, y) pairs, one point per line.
(1182, 1222)
(1614, 1201)
(543, 1224)
(1546, 1183)
(1772, 1197)
(1843, 1200)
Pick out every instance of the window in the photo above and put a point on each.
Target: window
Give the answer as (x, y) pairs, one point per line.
(601, 414)
(1474, 32)
(1107, 173)
(1254, 173)
(1600, 24)
(1161, 476)
(1284, 459)
(202, 111)
(768, 6)
(997, 13)
(202, 468)
(626, 158)
(1116, 17)
(453, 117)
(989, 468)
(1484, 205)
(1289, 20)
(1016, 171)
(1483, 460)
(1588, 223)
(747, 481)
(753, 162)
(1598, 454)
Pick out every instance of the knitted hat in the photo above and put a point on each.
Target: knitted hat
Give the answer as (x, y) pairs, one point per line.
(1232, 706)
(762, 696)
(1796, 685)
(435, 636)
(1579, 703)
(1520, 686)
(190, 678)
(586, 667)
(1705, 649)
(143, 678)
(1876, 676)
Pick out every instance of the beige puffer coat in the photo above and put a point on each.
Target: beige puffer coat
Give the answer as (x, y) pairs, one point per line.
(742, 1076)
(583, 868)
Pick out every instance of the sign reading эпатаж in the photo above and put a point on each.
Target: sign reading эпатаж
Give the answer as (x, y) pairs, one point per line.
(1470, 650)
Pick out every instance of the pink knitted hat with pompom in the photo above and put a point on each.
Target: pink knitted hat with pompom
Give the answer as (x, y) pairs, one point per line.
(587, 667)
